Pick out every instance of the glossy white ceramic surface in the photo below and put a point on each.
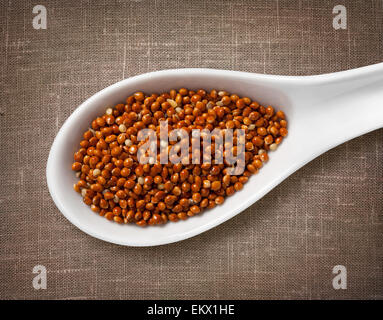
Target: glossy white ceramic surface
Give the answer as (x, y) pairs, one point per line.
(323, 111)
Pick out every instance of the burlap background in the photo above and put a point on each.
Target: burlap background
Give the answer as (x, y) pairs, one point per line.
(284, 246)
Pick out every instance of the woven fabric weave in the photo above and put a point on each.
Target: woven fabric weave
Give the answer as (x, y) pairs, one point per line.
(283, 247)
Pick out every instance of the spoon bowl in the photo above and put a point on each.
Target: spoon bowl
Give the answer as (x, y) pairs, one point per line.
(323, 111)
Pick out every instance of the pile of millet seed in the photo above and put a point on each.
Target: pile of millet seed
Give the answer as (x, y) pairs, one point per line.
(117, 186)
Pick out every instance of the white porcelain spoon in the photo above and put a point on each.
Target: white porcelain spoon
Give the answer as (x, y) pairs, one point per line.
(323, 111)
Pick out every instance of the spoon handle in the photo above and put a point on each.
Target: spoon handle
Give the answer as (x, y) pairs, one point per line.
(345, 105)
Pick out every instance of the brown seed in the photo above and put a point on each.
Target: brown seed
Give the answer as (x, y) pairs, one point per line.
(116, 151)
(96, 187)
(76, 166)
(137, 189)
(109, 215)
(204, 203)
(129, 184)
(76, 188)
(169, 200)
(177, 191)
(123, 204)
(78, 157)
(206, 184)
(182, 216)
(146, 216)
(118, 219)
(108, 195)
(116, 211)
(113, 182)
(95, 208)
(121, 194)
(216, 185)
(141, 223)
(195, 209)
(157, 218)
(238, 186)
(139, 96)
(103, 204)
(196, 197)
(87, 200)
(230, 191)
(264, 157)
(211, 204)
(283, 132)
(173, 217)
(219, 200)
